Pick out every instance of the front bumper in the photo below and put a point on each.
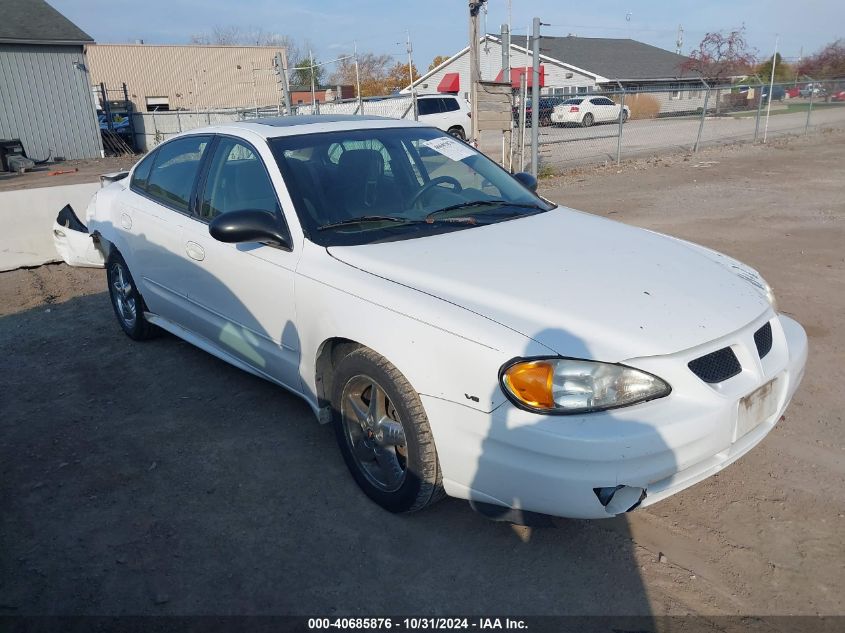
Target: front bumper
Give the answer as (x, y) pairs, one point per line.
(553, 464)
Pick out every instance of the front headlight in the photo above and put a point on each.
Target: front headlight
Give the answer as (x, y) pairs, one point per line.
(753, 277)
(770, 295)
(569, 385)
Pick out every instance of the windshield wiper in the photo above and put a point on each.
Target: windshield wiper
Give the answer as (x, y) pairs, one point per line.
(481, 203)
(363, 219)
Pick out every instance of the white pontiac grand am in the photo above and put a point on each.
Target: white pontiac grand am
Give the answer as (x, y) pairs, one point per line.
(462, 335)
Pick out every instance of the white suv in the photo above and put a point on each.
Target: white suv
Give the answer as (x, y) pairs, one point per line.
(450, 113)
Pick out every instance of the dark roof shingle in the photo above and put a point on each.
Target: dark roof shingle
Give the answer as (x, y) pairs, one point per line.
(36, 22)
(623, 59)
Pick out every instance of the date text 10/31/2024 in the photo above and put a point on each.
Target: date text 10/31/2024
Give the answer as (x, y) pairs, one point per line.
(416, 624)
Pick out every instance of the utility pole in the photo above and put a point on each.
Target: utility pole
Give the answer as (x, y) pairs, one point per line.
(283, 80)
(535, 96)
(313, 87)
(474, 70)
(410, 50)
(506, 53)
(358, 82)
(679, 41)
(771, 87)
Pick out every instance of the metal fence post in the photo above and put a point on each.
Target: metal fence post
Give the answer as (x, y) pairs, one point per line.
(810, 109)
(703, 114)
(621, 122)
(759, 108)
(179, 120)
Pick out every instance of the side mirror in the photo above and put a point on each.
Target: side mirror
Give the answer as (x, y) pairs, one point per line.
(527, 179)
(249, 225)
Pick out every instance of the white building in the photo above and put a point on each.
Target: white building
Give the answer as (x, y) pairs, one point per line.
(577, 65)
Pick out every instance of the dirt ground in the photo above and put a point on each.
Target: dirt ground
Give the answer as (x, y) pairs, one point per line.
(87, 170)
(154, 479)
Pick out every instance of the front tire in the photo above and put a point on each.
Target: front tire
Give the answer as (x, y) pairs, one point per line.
(383, 433)
(624, 116)
(126, 300)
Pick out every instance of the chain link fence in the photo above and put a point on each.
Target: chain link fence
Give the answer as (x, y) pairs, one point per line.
(611, 125)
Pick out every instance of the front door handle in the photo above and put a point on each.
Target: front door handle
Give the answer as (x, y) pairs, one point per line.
(194, 251)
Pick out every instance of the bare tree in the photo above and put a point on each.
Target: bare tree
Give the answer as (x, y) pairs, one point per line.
(252, 36)
(720, 56)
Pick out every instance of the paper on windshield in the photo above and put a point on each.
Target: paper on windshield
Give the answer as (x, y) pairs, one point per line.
(450, 148)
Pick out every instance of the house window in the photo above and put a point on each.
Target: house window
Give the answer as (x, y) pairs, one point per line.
(158, 104)
(676, 92)
(582, 90)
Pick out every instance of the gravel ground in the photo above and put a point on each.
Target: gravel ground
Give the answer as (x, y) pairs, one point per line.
(153, 479)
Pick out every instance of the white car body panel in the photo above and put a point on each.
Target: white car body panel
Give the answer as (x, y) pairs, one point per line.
(447, 120)
(563, 113)
(449, 310)
(487, 270)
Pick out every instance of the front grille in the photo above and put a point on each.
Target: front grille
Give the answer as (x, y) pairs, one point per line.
(716, 366)
(763, 340)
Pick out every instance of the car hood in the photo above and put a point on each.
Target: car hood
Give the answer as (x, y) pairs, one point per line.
(576, 283)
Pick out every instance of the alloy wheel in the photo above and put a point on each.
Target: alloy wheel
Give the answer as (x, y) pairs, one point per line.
(123, 295)
(374, 431)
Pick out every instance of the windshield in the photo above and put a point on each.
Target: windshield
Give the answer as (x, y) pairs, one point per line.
(364, 186)
(573, 101)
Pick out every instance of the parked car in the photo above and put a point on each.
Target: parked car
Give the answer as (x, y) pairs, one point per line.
(461, 334)
(547, 105)
(839, 95)
(449, 113)
(815, 89)
(778, 92)
(588, 110)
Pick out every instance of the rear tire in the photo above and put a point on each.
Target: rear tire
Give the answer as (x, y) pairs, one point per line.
(383, 433)
(458, 133)
(588, 120)
(127, 302)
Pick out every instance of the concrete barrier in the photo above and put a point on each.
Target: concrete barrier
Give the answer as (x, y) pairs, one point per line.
(27, 217)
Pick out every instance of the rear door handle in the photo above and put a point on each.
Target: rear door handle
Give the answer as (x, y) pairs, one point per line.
(194, 251)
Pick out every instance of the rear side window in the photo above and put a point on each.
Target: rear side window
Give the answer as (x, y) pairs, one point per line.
(428, 106)
(142, 172)
(450, 105)
(172, 176)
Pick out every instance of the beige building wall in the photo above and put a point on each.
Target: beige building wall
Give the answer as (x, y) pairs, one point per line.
(191, 77)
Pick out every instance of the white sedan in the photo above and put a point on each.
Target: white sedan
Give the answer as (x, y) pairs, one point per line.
(588, 110)
(462, 335)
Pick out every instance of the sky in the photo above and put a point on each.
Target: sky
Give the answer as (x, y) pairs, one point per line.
(440, 27)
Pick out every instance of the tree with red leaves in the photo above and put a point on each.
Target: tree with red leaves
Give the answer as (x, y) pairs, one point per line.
(828, 63)
(720, 56)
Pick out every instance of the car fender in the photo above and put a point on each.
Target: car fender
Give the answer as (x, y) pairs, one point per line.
(445, 351)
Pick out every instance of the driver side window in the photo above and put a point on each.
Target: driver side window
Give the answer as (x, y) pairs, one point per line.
(237, 180)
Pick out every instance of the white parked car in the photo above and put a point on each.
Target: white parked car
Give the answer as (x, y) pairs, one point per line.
(588, 110)
(461, 334)
(447, 112)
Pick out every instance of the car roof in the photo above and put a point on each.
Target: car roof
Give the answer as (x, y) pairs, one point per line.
(272, 127)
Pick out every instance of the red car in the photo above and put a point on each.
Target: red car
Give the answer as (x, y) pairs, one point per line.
(839, 95)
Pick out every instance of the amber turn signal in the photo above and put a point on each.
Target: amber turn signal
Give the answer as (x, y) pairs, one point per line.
(531, 382)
